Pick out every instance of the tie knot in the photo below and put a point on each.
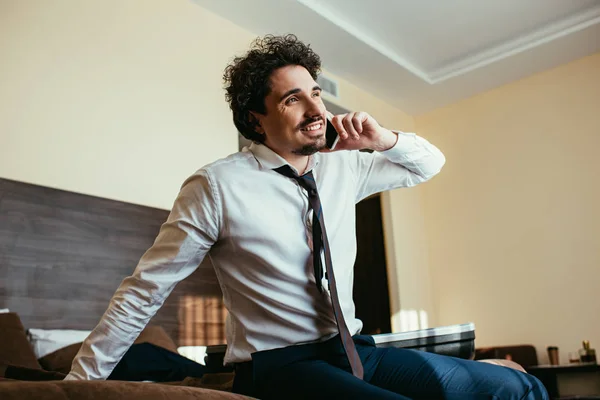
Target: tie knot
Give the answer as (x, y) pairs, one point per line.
(307, 181)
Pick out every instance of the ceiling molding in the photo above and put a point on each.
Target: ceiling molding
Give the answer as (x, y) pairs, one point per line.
(546, 34)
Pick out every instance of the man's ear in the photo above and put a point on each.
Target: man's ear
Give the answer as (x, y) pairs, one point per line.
(255, 121)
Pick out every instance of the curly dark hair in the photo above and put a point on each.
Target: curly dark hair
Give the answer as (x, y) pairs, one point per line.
(247, 78)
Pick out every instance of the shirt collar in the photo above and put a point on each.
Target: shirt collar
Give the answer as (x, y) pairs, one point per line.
(268, 159)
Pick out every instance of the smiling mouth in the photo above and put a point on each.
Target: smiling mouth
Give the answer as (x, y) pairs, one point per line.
(312, 128)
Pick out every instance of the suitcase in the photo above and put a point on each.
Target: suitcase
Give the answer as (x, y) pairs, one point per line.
(453, 340)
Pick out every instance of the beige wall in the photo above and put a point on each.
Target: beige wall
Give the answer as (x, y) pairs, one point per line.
(513, 221)
(119, 99)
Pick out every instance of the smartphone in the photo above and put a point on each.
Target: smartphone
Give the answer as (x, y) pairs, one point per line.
(331, 135)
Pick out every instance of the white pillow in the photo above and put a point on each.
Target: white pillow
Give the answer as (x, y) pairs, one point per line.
(194, 353)
(4, 310)
(46, 341)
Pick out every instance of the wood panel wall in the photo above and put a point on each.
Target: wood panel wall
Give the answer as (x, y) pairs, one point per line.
(63, 254)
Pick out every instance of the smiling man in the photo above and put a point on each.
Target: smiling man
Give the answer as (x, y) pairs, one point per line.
(278, 221)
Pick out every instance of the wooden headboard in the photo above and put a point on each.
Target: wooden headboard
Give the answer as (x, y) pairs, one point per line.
(63, 255)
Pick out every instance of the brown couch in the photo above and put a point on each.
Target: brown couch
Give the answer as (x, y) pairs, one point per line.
(524, 354)
(107, 390)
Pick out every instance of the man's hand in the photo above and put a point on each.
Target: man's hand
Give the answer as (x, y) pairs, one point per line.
(358, 130)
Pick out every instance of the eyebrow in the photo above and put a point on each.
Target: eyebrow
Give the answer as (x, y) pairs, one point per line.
(294, 91)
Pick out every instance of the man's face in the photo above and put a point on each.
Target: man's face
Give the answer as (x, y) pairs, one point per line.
(295, 121)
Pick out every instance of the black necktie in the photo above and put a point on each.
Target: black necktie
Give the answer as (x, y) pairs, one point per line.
(320, 242)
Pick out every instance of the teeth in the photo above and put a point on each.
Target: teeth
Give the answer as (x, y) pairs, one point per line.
(313, 128)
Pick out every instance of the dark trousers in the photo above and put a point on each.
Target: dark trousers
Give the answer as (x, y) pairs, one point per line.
(146, 361)
(321, 371)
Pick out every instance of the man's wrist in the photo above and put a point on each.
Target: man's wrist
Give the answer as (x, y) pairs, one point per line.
(388, 139)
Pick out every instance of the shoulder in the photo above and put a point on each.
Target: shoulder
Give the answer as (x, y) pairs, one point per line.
(221, 171)
(233, 163)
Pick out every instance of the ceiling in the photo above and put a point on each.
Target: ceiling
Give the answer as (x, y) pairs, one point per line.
(422, 54)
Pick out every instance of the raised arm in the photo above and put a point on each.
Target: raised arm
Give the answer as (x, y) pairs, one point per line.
(410, 161)
(399, 159)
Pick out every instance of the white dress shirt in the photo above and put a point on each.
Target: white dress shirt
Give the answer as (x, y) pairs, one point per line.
(255, 225)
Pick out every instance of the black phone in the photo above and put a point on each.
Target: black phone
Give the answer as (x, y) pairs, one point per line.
(331, 136)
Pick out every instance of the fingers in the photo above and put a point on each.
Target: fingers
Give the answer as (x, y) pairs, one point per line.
(355, 130)
(336, 121)
(349, 125)
(357, 121)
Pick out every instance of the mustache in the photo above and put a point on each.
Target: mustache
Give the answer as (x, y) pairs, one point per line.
(307, 122)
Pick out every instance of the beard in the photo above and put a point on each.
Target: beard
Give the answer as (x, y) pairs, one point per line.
(310, 149)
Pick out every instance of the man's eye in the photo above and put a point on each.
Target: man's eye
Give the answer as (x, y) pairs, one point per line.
(290, 100)
(317, 94)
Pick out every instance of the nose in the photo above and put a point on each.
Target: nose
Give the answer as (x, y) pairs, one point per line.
(315, 109)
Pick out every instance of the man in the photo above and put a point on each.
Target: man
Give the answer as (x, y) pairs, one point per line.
(278, 223)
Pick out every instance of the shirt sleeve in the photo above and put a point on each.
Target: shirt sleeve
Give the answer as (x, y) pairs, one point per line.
(411, 161)
(184, 239)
